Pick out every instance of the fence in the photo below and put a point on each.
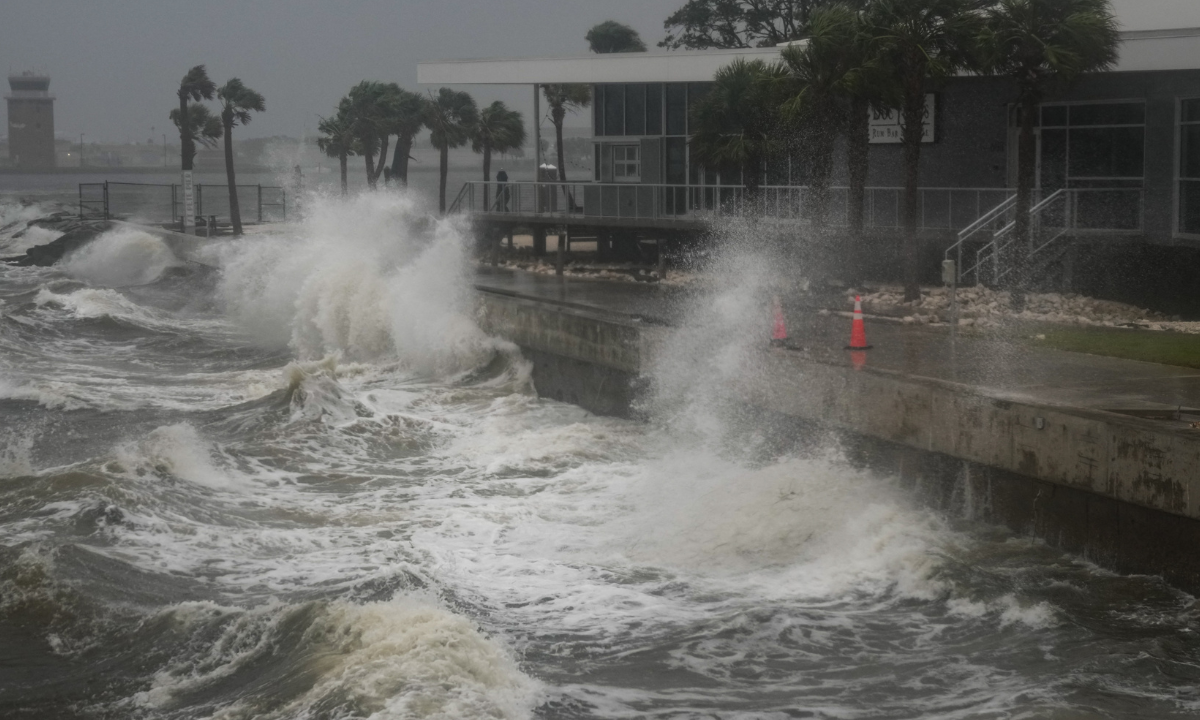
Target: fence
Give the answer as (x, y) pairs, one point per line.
(161, 204)
(938, 208)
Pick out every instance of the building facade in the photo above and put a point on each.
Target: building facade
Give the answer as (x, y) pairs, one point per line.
(30, 121)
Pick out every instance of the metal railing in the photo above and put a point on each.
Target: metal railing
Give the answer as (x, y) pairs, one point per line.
(163, 203)
(990, 243)
(938, 209)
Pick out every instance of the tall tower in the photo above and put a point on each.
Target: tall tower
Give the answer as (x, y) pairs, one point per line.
(30, 121)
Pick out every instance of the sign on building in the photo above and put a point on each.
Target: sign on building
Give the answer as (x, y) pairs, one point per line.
(886, 126)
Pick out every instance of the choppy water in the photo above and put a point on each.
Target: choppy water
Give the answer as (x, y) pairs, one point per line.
(305, 485)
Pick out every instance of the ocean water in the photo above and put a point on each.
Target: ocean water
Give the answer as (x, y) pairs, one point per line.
(300, 482)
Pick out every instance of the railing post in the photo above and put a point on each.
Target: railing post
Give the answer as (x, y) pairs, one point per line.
(199, 200)
(260, 215)
(107, 215)
(175, 206)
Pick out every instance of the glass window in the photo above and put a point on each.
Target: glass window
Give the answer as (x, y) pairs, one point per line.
(1054, 115)
(1106, 152)
(1108, 114)
(676, 152)
(626, 164)
(676, 109)
(635, 109)
(614, 109)
(598, 110)
(1189, 167)
(654, 109)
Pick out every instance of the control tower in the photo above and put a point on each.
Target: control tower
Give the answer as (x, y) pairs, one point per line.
(30, 121)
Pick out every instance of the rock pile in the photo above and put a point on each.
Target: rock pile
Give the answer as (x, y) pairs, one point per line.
(983, 307)
(75, 234)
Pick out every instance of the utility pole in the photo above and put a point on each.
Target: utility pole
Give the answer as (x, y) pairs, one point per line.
(80, 149)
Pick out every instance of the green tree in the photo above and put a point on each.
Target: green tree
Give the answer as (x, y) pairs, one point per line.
(450, 116)
(405, 123)
(195, 87)
(921, 43)
(562, 98)
(373, 105)
(611, 36)
(499, 130)
(1043, 45)
(203, 127)
(237, 102)
(817, 82)
(702, 24)
(735, 121)
(338, 139)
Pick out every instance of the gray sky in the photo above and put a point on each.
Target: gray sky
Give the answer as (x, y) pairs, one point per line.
(114, 64)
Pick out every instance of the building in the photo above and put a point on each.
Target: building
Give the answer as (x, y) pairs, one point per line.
(30, 121)
(1118, 154)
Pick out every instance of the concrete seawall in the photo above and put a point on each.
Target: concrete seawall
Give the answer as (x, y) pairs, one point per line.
(1123, 491)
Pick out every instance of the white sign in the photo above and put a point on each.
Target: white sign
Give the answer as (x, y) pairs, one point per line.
(189, 204)
(887, 127)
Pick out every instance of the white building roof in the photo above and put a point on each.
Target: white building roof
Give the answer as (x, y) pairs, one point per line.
(1141, 50)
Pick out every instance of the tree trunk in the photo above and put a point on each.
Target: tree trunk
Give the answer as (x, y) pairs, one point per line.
(857, 146)
(1026, 169)
(400, 159)
(557, 115)
(487, 172)
(383, 148)
(914, 118)
(342, 165)
(369, 158)
(235, 211)
(443, 171)
(822, 168)
(187, 146)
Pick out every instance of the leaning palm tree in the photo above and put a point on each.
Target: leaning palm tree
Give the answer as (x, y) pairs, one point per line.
(735, 122)
(203, 127)
(237, 102)
(405, 123)
(195, 87)
(450, 116)
(1043, 45)
(922, 43)
(337, 139)
(500, 130)
(817, 82)
(563, 98)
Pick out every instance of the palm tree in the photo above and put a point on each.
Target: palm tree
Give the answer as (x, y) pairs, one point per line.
(1043, 45)
(338, 139)
(450, 116)
(563, 98)
(734, 122)
(407, 121)
(203, 128)
(498, 130)
(195, 86)
(372, 107)
(611, 36)
(237, 102)
(818, 79)
(921, 43)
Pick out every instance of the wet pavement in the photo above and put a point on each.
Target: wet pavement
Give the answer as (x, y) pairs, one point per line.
(995, 366)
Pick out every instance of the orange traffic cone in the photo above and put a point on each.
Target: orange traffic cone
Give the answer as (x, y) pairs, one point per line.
(858, 332)
(779, 331)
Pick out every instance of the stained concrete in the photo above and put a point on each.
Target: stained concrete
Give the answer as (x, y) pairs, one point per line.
(1028, 433)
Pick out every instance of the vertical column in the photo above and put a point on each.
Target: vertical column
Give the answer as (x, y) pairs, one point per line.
(537, 132)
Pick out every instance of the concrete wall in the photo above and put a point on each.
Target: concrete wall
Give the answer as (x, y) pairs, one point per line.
(31, 132)
(1121, 490)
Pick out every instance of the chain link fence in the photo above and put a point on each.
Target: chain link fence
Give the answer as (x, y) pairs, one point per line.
(160, 204)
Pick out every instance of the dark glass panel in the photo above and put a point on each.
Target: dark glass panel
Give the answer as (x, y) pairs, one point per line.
(635, 109)
(1191, 110)
(1189, 153)
(654, 109)
(1189, 207)
(614, 109)
(598, 110)
(676, 109)
(1108, 114)
(1054, 159)
(1106, 152)
(676, 152)
(1054, 115)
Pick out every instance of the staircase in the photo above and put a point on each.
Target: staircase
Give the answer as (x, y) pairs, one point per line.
(986, 249)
